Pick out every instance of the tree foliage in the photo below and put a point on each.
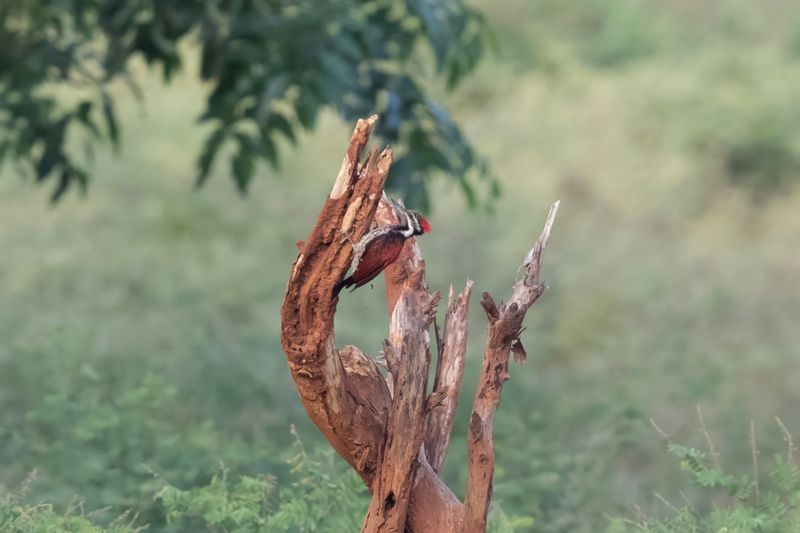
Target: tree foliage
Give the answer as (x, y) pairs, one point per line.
(271, 66)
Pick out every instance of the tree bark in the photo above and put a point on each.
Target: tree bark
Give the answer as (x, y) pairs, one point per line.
(449, 371)
(387, 427)
(405, 431)
(505, 326)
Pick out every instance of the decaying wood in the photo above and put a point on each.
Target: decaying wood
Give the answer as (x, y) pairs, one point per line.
(308, 308)
(505, 326)
(449, 371)
(391, 489)
(408, 272)
(387, 427)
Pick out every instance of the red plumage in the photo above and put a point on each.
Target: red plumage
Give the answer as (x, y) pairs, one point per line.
(423, 222)
(380, 248)
(378, 254)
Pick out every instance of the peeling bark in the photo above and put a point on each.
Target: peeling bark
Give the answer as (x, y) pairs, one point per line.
(449, 372)
(388, 428)
(308, 308)
(405, 431)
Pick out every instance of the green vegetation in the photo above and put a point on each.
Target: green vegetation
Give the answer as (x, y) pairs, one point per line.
(746, 505)
(139, 332)
(324, 496)
(270, 67)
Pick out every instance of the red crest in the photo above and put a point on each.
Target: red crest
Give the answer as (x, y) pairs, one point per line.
(423, 223)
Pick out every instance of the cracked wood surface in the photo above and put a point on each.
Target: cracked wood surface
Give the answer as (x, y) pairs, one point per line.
(391, 489)
(505, 326)
(308, 310)
(392, 433)
(449, 373)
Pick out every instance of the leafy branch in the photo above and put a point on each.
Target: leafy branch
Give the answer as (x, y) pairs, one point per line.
(272, 68)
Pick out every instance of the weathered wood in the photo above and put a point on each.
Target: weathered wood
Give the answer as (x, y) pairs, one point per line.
(308, 308)
(505, 326)
(408, 272)
(449, 373)
(391, 489)
(388, 428)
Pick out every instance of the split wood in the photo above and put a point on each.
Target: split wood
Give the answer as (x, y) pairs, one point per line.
(388, 426)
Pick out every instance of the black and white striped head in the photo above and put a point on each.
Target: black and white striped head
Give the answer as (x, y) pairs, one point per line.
(419, 223)
(413, 222)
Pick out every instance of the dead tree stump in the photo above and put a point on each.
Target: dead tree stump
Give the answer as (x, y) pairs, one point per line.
(389, 427)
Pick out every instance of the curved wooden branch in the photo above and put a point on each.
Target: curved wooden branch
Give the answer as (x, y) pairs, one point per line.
(505, 326)
(393, 435)
(309, 306)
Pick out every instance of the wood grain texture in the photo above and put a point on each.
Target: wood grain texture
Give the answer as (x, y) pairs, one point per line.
(391, 491)
(449, 373)
(505, 326)
(386, 426)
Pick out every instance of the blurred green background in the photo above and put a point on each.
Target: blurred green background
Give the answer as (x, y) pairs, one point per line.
(139, 328)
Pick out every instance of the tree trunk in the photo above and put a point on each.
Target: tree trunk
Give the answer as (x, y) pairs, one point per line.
(388, 427)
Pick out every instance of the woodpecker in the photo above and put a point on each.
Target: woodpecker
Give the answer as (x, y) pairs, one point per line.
(381, 247)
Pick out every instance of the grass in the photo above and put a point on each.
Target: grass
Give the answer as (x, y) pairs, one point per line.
(139, 324)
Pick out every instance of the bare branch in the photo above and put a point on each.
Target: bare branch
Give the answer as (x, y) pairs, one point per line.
(308, 308)
(350, 162)
(660, 431)
(754, 451)
(710, 443)
(392, 487)
(787, 438)
(449, 373)
(505, 324)
(407, 271)
(435, 399)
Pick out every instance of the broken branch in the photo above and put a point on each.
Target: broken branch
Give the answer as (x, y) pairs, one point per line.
(449, 373)
(505, 323)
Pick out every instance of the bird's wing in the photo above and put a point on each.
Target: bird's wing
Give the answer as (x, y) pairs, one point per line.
(378, 255)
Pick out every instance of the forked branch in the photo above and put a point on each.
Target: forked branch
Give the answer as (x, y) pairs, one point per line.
(393, 433)
(505, 326)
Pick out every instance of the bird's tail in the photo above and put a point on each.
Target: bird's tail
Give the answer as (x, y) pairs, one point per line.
(346, 282)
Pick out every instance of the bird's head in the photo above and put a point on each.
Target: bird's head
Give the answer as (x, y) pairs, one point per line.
(413, 220)
(419, 223)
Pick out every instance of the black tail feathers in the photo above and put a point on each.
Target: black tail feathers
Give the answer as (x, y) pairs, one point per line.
(346, 282)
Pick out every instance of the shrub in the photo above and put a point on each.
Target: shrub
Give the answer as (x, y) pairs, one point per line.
(745, 503)
(325, 495)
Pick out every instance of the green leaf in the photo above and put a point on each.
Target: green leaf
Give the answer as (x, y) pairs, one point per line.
(111, 119)
(84, 116)
(306, 109)
(242, 165)
(282, 124)
(52, 152)
(269, 151)
(209, 153)
(61, 187)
